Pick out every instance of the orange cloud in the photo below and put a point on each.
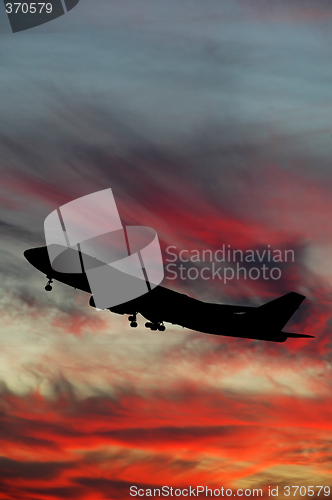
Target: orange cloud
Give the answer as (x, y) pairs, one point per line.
(97, 447)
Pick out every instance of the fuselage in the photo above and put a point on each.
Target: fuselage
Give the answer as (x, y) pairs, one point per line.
(160, 304)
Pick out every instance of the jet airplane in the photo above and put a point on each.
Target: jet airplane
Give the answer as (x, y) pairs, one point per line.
(164, 305)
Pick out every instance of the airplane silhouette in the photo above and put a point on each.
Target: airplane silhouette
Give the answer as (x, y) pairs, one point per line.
(164, 305)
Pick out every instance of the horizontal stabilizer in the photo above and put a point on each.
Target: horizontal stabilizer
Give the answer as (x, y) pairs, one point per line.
(298, 336)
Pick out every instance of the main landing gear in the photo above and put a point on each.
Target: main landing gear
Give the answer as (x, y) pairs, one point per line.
(133, 321)
(48, 287)
(155, 326)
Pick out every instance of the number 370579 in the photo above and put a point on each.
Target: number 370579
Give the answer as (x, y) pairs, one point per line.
(307, 491)
(25, 8)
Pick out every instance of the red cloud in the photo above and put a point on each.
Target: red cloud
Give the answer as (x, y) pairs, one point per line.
(94, 448)
(97, 447)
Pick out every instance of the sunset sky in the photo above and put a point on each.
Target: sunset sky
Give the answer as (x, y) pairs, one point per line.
(211, 122)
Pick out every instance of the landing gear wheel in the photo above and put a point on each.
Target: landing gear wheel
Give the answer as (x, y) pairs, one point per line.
(48, 287)
(161, 328)
(153, 327)
(133, 320)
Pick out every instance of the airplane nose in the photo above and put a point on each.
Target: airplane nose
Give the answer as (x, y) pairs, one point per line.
(28, 254)
(35, 256)
(38, 258)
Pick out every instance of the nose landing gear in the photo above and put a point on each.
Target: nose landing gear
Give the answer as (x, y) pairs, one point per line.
(48, 287)
(133, 321)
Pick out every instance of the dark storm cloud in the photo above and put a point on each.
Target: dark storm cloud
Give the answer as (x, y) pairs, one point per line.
(213, 436)
(16, 232)
(13, 469)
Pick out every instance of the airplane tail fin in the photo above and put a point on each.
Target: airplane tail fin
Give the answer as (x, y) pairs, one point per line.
(279, 311)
